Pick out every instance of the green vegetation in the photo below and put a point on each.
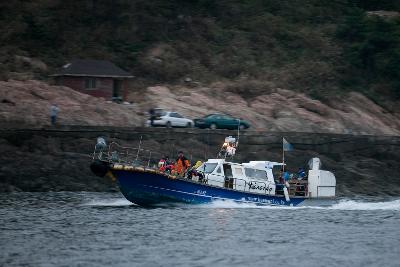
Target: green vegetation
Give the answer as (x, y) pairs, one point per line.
(372, 48)
(320, 47)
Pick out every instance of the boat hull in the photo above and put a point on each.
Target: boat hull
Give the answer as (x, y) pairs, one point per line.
(152, 188)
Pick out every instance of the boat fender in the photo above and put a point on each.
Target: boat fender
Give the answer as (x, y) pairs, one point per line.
(128, 168)
(285, 191)
(100, 168)
(139, 169)
(118, 167)
(111, 176)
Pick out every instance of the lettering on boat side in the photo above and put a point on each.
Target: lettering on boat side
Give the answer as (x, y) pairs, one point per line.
(263, 187)
(266, 201)
(201, 192)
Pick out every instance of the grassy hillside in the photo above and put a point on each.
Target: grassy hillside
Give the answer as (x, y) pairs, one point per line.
(321, 47)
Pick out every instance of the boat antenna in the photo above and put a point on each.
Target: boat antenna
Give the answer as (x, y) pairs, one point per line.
(171, 150)
(208, 143)
(238, 136)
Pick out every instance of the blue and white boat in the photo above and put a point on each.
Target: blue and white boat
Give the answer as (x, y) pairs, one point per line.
(215, 179)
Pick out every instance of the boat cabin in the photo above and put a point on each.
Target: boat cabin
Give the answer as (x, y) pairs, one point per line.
(258, 177)
(254, 176)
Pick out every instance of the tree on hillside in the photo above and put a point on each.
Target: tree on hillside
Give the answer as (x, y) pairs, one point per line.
(373, 50)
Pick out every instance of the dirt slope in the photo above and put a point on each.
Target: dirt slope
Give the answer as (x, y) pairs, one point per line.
(28, 103)
(281, 110)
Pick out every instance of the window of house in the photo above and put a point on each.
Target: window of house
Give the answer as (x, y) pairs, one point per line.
(90, 83)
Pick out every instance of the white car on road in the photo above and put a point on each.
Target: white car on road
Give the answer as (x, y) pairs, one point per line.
(170, 119)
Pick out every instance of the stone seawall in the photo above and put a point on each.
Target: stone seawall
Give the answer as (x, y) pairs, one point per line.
(57, 159)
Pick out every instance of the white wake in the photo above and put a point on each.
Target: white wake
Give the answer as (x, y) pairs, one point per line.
(119, 202)
(341, 205)
(363, 205)
(230, 204)
(345, 204)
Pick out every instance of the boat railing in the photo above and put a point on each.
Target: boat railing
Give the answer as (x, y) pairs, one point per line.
(298, 187)
(132, 156)
(147, 159)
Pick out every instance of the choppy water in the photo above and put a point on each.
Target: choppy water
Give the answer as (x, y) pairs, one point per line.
(103, 229)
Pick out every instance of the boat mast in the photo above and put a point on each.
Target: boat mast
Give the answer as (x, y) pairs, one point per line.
(238, 135)
(283, 156)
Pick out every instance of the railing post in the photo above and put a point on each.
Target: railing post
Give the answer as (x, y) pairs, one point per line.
(148, 162)
(140, 143)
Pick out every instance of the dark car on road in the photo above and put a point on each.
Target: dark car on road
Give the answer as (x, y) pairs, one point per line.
(221, 121)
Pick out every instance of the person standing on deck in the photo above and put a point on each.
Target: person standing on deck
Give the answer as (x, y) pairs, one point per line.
(53, 114)
(182, 164)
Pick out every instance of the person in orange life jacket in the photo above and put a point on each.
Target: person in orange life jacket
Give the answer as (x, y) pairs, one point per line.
(182, 163)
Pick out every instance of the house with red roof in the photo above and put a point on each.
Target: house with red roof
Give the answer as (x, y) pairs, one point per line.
(98, 78)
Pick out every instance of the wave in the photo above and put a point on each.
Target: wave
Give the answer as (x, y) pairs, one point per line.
(362, 205)
(346, 204)
(230, 204)
(120, 202)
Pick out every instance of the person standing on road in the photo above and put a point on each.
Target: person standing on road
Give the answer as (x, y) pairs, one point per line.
(53, 114)
(152, 116)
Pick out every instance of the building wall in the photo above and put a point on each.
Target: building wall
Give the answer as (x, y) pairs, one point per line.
(104, 86)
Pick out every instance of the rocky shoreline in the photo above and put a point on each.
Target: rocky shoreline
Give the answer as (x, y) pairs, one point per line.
(57, 159)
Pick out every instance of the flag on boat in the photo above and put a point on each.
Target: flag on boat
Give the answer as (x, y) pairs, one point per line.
(286, 145)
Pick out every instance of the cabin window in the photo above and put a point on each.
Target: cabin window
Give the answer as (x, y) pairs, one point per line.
(238, 171)
(90, 83)
(207, 167)
(219, 169)
(253, 173)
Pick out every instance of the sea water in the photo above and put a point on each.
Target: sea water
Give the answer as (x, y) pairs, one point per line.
(104, 229)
